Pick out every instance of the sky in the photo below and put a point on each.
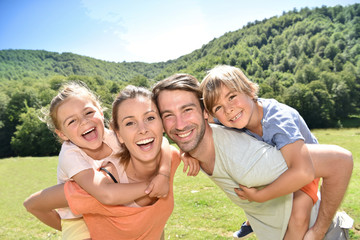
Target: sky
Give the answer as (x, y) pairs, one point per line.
(132, 30)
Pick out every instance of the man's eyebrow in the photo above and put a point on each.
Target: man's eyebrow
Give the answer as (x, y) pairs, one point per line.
(182, 107)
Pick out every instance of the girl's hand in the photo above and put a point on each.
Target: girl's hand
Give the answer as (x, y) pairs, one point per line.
(191, 163)
(159, 186)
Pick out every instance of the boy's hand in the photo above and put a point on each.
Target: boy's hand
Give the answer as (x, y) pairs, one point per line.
(250, 194)
(159, 186)
(191, 163)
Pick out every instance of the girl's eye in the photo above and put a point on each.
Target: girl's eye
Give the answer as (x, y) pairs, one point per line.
(232, 97)
(71, 122)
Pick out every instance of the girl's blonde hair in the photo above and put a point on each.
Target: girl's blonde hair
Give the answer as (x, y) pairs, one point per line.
(129, 92)
(70, 89)
(231, 77)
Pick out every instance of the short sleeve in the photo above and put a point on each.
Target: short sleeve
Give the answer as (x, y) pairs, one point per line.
(281, 125)
(71, 162)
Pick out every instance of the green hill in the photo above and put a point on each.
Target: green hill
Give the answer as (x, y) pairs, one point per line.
(308, 59)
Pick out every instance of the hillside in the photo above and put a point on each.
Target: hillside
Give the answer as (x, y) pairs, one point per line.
(308, 59)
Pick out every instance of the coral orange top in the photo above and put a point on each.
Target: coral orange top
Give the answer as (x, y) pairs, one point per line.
(121, 222)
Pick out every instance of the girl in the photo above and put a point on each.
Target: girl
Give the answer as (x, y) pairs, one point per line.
(77, 119)
(232, 99)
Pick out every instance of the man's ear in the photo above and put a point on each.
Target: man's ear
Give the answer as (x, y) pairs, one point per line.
(206, 115)
(61, 135)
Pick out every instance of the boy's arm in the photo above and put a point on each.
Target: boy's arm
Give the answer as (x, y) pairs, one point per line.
(43, 203)
(159, 186)
(300, 172)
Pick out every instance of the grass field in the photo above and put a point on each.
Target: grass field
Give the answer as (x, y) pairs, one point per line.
(202, 211)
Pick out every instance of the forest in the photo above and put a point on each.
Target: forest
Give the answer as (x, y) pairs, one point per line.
(308, 59)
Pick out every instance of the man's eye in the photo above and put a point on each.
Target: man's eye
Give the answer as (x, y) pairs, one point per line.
(89, 112)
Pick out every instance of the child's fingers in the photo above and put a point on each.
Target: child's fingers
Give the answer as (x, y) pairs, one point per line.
(149, 189)
(186, 165)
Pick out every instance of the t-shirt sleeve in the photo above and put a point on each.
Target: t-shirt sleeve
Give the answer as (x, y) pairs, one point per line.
(282, 128)
(71, 162)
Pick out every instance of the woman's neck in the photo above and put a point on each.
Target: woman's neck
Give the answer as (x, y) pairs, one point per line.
(139, 171)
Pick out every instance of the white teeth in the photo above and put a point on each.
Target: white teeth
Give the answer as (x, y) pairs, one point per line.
(145, 141)
(184, 135)
(236, 117)
(88, 131)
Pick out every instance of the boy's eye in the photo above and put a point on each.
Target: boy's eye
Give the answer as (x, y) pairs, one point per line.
(232, 97)
(217, 108)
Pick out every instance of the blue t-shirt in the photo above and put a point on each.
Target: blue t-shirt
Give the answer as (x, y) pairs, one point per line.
(282, 125)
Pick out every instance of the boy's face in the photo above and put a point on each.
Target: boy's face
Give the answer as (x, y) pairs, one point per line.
(80, 122)
(183, 118)
(233, 109)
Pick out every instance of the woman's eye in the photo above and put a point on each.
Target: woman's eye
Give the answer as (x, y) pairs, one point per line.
(129, 124)
(151, 118)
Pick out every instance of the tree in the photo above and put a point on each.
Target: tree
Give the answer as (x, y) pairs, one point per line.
(32, 137)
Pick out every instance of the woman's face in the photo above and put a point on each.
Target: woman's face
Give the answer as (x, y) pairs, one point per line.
(140, 128)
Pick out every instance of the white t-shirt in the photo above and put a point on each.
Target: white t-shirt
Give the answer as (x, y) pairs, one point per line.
(241, 159)
(73, 160)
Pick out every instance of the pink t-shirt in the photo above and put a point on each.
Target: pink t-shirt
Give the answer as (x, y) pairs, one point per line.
(73, 160)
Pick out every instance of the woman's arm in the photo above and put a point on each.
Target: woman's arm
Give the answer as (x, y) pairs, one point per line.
(300, 172)
(43, 203)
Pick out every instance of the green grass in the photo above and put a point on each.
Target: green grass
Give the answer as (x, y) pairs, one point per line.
(202, 211)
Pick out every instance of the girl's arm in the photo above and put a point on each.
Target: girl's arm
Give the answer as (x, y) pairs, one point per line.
(43, 203)
(160, 184)
(106, 191)
(191, 163)
(300, 172)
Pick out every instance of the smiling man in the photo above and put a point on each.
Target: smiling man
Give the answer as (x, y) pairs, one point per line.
(230, 158)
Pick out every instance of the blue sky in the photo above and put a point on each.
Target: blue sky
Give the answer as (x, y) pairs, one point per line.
(132, 30)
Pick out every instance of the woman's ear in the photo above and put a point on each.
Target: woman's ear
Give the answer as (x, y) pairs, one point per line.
(121, 140)
(61, 135)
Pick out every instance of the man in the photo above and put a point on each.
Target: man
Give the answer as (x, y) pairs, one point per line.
(231, 158)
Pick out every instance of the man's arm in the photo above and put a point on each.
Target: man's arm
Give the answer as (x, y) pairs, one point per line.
(334, 164)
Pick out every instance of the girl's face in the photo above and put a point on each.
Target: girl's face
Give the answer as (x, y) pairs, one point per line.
(233, 109)
(140, 128)
(81, 122)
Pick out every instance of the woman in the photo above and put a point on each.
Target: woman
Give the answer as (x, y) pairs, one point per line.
(138, 126)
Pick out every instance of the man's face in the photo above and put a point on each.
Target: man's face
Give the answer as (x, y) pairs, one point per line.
(182, 118)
